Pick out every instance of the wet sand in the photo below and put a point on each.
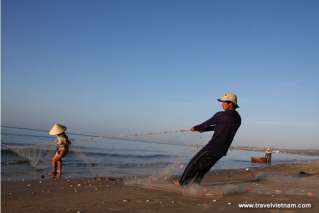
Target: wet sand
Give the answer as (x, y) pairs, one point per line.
(221, 191)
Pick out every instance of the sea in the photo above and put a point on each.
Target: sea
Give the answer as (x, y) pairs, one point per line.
(26, 154)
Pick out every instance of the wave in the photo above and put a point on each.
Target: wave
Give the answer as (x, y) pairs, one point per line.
(10, 149)
(122, 155)
(78, 164)
(13, 162)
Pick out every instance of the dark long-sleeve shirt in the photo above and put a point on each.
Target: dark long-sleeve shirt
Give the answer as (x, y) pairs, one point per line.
(225, 125)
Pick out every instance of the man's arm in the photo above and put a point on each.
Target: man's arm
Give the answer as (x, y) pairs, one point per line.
(198, 129)
(208, 125)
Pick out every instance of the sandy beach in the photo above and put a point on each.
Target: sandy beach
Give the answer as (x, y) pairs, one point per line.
(221, 191)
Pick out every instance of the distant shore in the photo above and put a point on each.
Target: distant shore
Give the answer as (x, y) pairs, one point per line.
(221, 191)
(310, 152)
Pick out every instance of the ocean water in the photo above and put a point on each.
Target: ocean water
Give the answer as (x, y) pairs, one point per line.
(27, 155)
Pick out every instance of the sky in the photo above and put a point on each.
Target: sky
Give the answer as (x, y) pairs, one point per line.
(122, 66)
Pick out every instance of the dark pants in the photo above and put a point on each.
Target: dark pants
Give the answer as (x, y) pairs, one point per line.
(198, 167)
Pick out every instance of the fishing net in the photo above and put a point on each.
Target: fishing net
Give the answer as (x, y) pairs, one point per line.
(37, 156)
(102, 155)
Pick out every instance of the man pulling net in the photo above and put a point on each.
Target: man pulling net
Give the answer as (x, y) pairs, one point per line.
(225, 125)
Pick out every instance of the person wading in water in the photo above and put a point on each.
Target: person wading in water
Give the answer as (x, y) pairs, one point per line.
(225, 125)
(62, 148)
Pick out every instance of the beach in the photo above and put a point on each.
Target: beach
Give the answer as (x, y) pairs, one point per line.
(221, 191)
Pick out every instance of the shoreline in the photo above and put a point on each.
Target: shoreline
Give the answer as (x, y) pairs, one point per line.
(221, 190)
(252, 166)
(306, 152)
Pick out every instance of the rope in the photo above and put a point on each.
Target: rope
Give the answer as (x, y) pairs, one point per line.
(122, 138)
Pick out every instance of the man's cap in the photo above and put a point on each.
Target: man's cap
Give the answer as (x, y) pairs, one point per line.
(229, 96)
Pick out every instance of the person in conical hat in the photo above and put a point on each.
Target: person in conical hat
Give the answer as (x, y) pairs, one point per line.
(62, 148)
(225, 125)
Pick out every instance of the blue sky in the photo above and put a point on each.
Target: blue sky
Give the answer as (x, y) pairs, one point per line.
(110, 67)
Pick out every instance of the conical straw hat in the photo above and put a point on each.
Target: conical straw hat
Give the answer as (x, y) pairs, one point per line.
(57, 129)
